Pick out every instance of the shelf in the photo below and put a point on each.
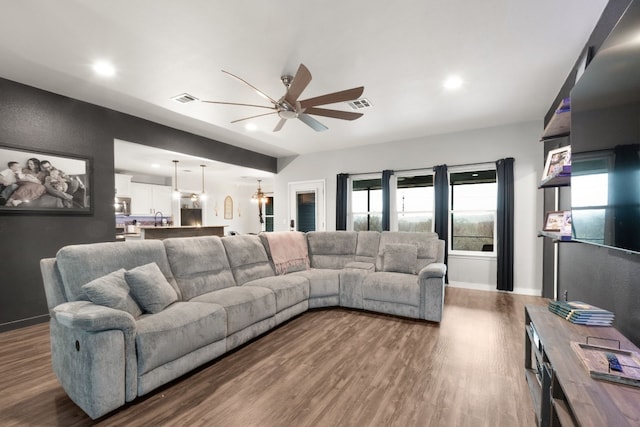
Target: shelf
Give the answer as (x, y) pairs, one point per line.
(569, 396)
(560, 123)
(560, 180)
(535, 390)
(562, 412)
(555, 236)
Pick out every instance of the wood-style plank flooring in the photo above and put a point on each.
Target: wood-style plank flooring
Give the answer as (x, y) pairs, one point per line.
(333, 367)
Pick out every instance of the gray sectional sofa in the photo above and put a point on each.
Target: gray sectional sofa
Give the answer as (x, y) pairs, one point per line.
(129, 317)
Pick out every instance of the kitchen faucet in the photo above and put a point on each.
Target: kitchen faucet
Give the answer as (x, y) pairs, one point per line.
(155, 217)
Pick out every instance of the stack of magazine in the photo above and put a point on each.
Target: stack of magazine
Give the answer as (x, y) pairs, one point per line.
(581, 313)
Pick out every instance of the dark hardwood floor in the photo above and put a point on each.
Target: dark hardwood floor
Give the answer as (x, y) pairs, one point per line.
(333, 367)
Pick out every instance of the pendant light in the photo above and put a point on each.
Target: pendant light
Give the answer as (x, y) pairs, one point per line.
(203, 195)
(259, 197)
(176, 192)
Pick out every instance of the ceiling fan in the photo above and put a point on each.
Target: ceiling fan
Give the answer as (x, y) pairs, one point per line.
(288, 107)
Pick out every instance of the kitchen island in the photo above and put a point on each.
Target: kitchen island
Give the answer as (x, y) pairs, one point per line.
(150, 232)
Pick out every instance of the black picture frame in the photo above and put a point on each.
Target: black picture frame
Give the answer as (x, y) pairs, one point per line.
(25, 190)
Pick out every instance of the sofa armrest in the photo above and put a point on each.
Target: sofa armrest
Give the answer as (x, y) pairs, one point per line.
(94, 356)
(91, 317)
(435, 269)
(431, 282)
(351, 278)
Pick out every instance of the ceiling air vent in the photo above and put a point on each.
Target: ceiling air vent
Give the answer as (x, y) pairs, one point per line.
(183, 98)
(359, 103)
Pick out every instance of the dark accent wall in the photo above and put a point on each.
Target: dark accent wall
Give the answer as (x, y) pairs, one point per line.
(45, 121)
(608, 278)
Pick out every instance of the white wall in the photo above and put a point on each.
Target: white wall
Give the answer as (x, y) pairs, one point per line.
(245, 212)
(520, 141)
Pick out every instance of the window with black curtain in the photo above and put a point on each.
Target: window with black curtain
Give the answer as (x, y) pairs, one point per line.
(473, 198)
(366, 204)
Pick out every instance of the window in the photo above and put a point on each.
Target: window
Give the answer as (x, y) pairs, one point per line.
(267, 208)
(415, 202)
(366, 204)
(473, 210)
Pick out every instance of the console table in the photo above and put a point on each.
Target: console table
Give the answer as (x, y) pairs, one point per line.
(563, 392)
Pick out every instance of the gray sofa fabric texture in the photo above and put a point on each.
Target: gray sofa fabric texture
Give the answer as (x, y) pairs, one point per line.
(248, 258)
(112, 291)
(150, 288)
(197, 278)
(199, 297)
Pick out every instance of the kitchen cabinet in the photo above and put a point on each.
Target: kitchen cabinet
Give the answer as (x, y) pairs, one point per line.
(123, 185)
(148, 199)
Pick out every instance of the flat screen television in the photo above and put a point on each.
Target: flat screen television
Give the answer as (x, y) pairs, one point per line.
(605, 141)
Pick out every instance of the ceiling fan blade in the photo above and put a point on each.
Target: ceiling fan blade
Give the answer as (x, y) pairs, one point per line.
(330, 98)
(336, 114)
(258, 91)
(312, 123)
(253, 117)
(300, 81)
(236, 103)
(279, 125)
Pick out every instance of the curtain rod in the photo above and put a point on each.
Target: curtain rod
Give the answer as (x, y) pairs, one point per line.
(428, 168)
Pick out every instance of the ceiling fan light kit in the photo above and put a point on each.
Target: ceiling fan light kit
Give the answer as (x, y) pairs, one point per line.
(288, 107)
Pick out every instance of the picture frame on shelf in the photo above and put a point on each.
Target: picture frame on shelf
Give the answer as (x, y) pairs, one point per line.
(554, 221)
(558, 161)
(566, 229)
(34, 181)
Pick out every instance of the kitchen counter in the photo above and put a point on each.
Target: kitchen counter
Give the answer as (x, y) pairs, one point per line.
(147, 232)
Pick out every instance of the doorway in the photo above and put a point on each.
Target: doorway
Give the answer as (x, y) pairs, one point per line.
(307, 206)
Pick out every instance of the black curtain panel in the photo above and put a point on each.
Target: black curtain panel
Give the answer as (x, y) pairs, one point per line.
(386, 200)
(504, 239)
(441, 220)
(342, 192)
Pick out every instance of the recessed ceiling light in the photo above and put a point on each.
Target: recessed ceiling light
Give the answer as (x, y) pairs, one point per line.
(453, 82)
(155, 165)
(104, 68)
(250, 127)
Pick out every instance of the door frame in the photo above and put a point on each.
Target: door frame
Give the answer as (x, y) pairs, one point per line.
(312, 186)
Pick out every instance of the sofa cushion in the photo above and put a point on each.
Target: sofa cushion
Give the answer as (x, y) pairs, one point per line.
(430, 248)
(180, 329)
(289, 290)
(199, 264)
(391, 287)
(331, 249)
(80, 264)
(400, 258)
(112, 291)
(367, 246)
(245, 305)
(150, 288)
(247, 258)
(322, 282)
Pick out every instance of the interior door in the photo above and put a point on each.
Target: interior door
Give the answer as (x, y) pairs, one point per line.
(307, 206)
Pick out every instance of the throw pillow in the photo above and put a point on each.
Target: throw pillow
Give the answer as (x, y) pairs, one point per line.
(150, 288)
(400, 258)
(112, 291)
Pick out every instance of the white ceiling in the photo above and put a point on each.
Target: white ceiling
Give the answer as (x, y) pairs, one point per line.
(513, 56)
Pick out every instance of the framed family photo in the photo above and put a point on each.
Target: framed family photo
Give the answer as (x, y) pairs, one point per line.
(36, 181)
(556, 161)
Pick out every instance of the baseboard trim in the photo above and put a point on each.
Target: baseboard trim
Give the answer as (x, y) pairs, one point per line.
(21, 323)
(492, 288)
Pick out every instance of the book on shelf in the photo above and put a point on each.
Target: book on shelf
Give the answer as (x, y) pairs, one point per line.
(582, 313)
